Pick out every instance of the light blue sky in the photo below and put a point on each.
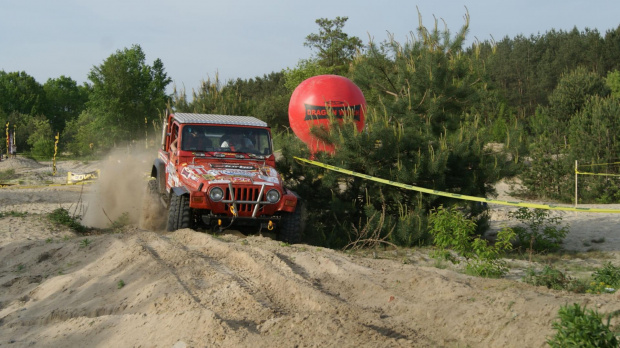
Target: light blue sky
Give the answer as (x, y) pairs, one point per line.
(248, 38)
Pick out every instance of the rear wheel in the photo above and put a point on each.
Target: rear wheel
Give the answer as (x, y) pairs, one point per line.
(291, 225)
(179, 213)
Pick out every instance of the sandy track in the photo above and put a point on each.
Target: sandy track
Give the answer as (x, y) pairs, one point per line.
(203, 291)
(186, 287)
(190, 289)
(200, 290)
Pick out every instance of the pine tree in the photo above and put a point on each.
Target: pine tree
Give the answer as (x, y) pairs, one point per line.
(425, 127)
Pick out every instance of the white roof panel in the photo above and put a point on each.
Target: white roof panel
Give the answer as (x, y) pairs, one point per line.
(219, 119)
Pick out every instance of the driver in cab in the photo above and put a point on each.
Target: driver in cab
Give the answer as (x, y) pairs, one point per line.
(194, 140)
(237, 142)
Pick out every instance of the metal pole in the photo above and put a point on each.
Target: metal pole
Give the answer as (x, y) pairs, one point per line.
(8, 141)
(576, 173)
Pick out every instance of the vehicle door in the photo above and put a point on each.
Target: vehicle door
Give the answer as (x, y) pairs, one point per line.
(172, 177)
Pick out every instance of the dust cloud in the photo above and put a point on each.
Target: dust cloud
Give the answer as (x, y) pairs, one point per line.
(120, 188)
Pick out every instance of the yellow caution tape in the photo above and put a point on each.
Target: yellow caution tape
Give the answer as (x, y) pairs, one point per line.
(15, 186)
(72, 179)
(455, 195)
(598, 164)
(599, 174)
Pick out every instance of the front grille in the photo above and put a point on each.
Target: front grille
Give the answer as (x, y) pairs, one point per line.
(243, 194)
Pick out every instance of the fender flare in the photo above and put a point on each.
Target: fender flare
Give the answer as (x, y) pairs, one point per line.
(286, 191)
(179, 191)
(293, 193)
(158, 172)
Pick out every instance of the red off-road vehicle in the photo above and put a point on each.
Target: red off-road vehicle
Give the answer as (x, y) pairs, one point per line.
(218, 172)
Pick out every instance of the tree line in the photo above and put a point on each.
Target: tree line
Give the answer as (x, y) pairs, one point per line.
(124, 96)
(441, 115)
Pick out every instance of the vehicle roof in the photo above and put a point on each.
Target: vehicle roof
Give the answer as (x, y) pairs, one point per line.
(219, 119)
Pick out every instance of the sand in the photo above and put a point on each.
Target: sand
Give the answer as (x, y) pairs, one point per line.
(134, 287)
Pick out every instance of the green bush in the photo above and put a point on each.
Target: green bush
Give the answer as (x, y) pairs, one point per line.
(542, 233)
(605, 280)
(452, 230)
(553, 278)
(578, 327)
(61, 216)
(609, 274)
(42, 149)
(41, 141)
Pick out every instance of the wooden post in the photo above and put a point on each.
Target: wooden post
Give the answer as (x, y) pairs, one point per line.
(576, 173)
(55, 151)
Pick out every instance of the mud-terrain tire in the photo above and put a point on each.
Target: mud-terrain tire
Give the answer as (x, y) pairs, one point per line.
(152, 187)
(153, 213)
(179, 213)
(291, 225)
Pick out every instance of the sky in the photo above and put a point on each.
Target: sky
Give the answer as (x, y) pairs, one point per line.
(197, 39)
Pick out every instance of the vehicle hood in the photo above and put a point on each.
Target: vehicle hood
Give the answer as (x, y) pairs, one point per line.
(236, 173)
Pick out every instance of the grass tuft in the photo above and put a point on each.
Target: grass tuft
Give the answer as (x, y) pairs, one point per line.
(62, 217)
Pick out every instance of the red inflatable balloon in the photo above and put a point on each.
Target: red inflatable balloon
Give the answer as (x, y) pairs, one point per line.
(318, 97)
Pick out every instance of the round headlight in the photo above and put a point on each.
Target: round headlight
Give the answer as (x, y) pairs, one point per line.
(273, 196)
(216, 194)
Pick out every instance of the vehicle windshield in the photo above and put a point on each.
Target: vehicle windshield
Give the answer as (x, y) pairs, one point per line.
(209, 138)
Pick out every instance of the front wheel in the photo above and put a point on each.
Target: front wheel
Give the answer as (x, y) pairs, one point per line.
(179, 213)
(291, 225)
